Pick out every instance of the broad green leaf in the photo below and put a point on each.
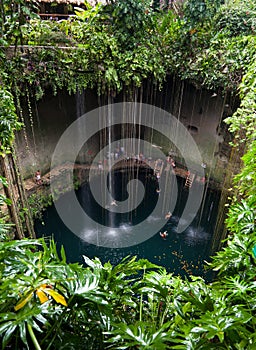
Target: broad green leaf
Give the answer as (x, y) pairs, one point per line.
(8, 334)
(23, 333)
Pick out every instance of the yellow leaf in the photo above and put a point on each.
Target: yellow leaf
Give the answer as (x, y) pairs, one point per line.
(56, 296)
(22, 303)
(42, 296)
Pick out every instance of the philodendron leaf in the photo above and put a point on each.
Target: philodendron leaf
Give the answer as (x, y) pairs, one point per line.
(23, 302)
(8, 334)
(90, 262)
(42, 296)
(56, 296)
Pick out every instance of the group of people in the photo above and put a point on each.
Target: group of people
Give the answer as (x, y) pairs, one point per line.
(116, 153)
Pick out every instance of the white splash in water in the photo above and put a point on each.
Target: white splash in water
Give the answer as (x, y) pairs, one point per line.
(89, 233)
(176, 220)
(112, 233)
(195, 235)
(126, 228)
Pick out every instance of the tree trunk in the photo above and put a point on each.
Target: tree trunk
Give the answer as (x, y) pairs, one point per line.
(10, 193)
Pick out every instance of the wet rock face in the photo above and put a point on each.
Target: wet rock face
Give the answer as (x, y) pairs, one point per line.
(192, 129)
(200, 111)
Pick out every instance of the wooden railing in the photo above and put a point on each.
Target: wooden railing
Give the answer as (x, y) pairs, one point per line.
(55, 16)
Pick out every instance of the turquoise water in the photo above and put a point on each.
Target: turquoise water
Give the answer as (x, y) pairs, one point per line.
(181, 253)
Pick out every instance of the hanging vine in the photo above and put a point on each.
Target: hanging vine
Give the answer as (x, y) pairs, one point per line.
(15, 189)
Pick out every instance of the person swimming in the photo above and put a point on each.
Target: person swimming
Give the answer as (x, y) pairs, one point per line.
(163, 234)
(113, 203)
(168, 215)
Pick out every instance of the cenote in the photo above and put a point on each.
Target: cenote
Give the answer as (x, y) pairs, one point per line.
(182, 253)
(127, 134)
(124, 199)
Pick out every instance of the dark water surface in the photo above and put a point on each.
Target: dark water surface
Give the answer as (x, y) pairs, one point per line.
(181, 253)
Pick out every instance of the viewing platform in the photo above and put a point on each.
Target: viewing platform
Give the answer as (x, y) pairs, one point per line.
(158, 167)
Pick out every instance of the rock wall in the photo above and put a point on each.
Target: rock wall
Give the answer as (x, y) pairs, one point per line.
(199, 110)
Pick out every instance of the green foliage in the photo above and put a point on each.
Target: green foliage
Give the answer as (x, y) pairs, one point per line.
(236, 263)
(237, 257)
(37, 203)
(132, 19)
(198, 12)
(133, 305)
(8, 121)
(37, 32)
(4, 225)
(41, 291)
(54, 305)
(12, 16)
(246, 179)
(244, 118)
(235, 21)
(120, 44)
(141, 335)
(8, 125)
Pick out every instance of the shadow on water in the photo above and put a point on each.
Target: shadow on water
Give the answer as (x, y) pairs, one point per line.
(181, 253)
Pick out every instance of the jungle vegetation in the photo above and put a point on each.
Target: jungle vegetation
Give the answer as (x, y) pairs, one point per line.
(47, 303)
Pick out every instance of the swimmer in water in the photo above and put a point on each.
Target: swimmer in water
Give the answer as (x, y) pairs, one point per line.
(113, 203)
(168, 215)
(163, 234)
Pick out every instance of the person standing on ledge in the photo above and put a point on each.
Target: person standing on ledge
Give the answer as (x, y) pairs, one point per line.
(38, 177)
